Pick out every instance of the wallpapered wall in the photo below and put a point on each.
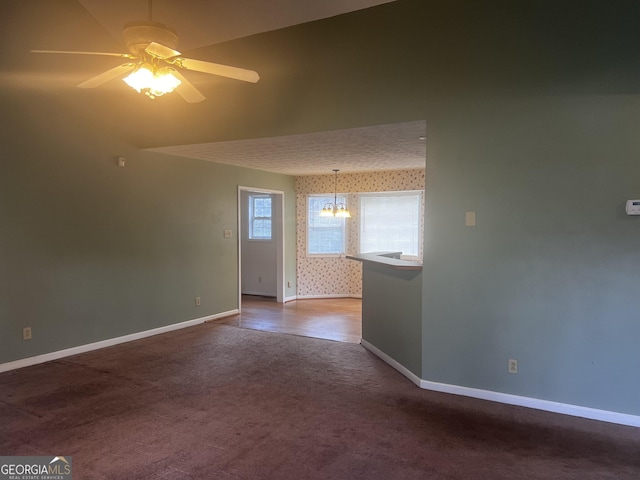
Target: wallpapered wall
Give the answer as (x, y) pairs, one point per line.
(337, 276)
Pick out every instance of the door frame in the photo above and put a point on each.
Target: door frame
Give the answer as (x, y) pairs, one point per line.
(278, 226)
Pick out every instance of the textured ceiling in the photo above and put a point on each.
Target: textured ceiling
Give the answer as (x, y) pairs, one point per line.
(382, 147)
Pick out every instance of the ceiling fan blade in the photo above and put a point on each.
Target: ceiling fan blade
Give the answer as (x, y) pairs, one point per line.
(123, 55)
(187, 91)
(160, 51)
(218, 69)
(110, 74)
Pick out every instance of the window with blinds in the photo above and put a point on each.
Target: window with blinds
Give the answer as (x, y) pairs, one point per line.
(391, 222)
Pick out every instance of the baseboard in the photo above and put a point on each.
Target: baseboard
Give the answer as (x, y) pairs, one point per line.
(259, 294)
(546, 405)
(335, 295)
(386, 358)
(47, 357)
(311, 297)
(538, 404)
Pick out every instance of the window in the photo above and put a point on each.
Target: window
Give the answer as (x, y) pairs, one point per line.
(259, 217)
(391, 222)
(325, 235)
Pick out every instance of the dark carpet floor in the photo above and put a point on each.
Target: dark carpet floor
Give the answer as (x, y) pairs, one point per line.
(221, 402)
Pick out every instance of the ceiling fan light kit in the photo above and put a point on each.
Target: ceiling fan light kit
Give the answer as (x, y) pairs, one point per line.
(154, 63)
(153, 82)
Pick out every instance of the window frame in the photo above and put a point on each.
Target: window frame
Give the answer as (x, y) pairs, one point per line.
(343, 224)
(252, 217)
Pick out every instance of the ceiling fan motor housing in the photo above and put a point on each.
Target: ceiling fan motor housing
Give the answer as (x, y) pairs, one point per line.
(138, 35)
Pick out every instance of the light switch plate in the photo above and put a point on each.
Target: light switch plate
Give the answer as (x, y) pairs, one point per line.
(470, 219)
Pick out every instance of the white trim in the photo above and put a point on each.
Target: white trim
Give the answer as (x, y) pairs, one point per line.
(333, 295)
(47, 357)
(535, 403)
(386, 358)
(280, 245)
(260, 190)
(290, 299)
(538, 404)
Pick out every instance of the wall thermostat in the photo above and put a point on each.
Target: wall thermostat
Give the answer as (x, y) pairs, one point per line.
(633, 207)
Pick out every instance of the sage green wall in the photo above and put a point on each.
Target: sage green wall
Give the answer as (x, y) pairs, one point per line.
(392, 313)
(91, 251)
(549, 274)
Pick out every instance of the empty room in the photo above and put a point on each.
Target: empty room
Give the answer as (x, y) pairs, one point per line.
(462, 177)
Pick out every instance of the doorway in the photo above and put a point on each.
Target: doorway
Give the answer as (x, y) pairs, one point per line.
(260, 243)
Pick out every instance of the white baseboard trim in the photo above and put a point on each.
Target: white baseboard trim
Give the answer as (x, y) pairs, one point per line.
(290, 299)
(546, 405)
(335, 295)
(47, 357)
(538, 404)
(386, 358)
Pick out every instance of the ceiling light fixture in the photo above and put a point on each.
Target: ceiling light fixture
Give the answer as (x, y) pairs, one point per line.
(335, 209)
(152, 81)
(149, 78)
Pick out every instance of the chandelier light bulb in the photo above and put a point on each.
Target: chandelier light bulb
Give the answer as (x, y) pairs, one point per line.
(140, 78)
(341, 211)
(163, 82)
(335, 209)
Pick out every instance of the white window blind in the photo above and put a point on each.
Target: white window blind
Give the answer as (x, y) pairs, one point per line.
(325, 235)
(390, 222)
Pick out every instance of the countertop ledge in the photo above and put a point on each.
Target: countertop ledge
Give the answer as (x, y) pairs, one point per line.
(388, 259)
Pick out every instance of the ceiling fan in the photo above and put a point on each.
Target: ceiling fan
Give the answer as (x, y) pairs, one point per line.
(154, 65)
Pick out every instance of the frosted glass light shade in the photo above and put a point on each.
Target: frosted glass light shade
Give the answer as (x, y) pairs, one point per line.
(152, 84)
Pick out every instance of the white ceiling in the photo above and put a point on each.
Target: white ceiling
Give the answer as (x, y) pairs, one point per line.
(201, 23)
(382, 147)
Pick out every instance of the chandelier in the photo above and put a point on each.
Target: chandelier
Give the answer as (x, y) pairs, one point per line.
(335, 209)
